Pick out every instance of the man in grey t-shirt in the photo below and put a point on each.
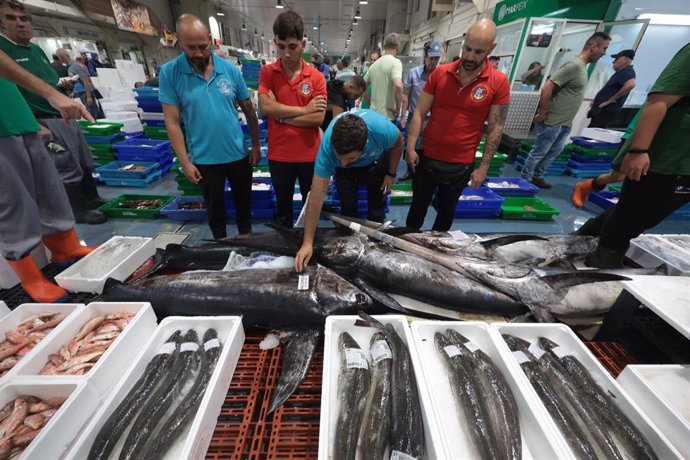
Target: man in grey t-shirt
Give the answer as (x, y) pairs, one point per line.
(561, 97)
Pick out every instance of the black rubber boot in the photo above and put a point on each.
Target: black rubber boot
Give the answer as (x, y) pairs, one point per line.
(605, 258)
(88, 187)
(590, 228)
(82, 215)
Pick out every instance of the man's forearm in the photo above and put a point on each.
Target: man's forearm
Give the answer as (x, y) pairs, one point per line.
(545, 99)
(398, 99)
(414, 128)
(275, 109)
(253, 123)
(306, 121)
(497, 119)
(405, 105)
(624, 91)
(177, 140)
(395, 155)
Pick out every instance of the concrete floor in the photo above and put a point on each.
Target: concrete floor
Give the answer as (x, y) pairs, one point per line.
(569, 219)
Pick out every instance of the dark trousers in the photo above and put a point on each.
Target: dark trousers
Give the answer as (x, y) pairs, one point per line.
(601, 119)
(348, 181)
(643, 205)
(447, 180)
(283, 176)
(212, 184)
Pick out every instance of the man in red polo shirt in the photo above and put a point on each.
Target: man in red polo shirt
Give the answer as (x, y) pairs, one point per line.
(293, 95)
(461, 96)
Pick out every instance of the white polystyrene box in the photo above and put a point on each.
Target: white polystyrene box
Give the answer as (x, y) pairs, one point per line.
(603, 135)
(61, 430)
(4, 309)
(540, 437)
(108, 369)
(566, 338)
(662, 392)
(27, 310)
(650, 251)
(194, 441)
(106, 264)
(335, 325)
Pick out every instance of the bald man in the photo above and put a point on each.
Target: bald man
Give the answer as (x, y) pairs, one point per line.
(205, 90)
(461, 96)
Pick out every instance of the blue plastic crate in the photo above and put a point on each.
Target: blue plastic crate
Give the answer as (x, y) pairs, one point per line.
(114, 182)
(159, 123)
(150, 106)
(593, 144)
(153, 156)
(147, 99)
(260, 195)
(603, 198)
(526, 188)
(147, 91)
(256, 204)
(112, 139)
(586, 173)
(111, 170)
(587, 159)
(165, 168)
(589, 166)
(476, 214)
(173, 212)
(489, 201)
(143, 146)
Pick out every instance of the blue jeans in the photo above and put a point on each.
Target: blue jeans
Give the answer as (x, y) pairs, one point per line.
(549, 144)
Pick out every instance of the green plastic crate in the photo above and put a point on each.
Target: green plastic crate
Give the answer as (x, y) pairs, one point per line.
(590, 152)
(401, 199)
(514, 209)
(614, 188)
(102, 148)
(111, 210)
(102, 129)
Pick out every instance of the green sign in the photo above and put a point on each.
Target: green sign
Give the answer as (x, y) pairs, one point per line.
(510, 10)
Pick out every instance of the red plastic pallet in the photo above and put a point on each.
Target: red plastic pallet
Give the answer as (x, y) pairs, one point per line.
(611, 355)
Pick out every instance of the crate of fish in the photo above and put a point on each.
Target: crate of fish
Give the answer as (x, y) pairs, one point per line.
(479, 198)
(94, 345)
(401, 194)
(511, 186)
(117, 258)
(527, 209)
(143, 146)
(186, 208)
(134, 182)
(63, 409)
(358, 366)
(481, 401)
(136, 206)
(604, 199)
(261, 174)
(594, 144)
(127, 170)
(578, 392)
(25, 327)
(586, 173)
(205, 350)
(159, 156)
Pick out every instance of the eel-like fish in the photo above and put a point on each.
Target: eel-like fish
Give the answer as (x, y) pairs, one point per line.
(113, 429)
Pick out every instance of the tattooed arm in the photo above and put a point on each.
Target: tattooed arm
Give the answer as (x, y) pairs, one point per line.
(497, 118)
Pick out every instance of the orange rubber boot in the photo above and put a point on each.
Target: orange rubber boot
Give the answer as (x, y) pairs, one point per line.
(581, 192)
(34, 283)
(66, 247)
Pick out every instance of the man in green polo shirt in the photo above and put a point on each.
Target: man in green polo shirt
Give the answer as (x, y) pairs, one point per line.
(33, 203)
(657, 165)
(67, 143)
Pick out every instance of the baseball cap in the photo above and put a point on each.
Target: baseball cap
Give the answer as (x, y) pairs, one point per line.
(627, 53)
(434, 49)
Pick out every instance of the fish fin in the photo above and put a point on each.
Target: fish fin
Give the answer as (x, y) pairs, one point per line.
(510, 239)
(570, 279)
(559, 262)
(290, 236)
(111, 283)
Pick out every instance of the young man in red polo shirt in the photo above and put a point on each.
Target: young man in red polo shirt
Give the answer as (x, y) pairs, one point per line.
(461, 96)
(293, 94)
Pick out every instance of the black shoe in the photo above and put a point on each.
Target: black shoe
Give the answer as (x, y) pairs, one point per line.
(82, 215)
(605, 258)
(540, 182)
(90, 191)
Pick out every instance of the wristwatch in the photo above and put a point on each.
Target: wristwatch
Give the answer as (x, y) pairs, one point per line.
(390, 174)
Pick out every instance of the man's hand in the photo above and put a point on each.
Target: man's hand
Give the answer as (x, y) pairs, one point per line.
(539, 118)
(605, 103)
(478, 177)
(45, 134)
(68, 108)
(635, 165)
(403, 122)
(412, 159)
(318, 104)
(303, 257)
(191, 172)
(254, 156)
(386, 184)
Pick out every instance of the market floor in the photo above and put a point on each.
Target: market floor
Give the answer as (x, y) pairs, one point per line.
(570, 218)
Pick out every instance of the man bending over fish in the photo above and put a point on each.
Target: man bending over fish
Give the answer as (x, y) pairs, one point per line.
(362, 148)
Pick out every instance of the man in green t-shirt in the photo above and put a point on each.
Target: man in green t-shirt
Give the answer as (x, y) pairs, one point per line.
(385, 79)
(364, 101)
(67, 143)
(561, 97)
(657, 165)
(33, 203)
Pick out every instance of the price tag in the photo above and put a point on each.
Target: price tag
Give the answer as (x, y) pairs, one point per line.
(189, 346)
(302, 282)
(397, 455)
(560, 352)
(520, 357)
(167, 348)
(213, 343)
(472, 346)
(356, 359)
(536, 351)
(452, 350)
(355, 226)
(380, 351)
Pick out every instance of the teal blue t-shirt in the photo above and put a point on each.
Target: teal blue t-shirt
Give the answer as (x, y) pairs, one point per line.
(382, 135)
(208, 108)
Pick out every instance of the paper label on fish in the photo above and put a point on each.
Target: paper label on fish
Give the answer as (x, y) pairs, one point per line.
(520, 357)
(380, 351)
(397, 455)
(213, 343)
(356, 359)
(167, 348)
(302, 282)
(452, 350)
(472, 346)
(355, 226)
(536, 351)
(189, 346)
(560, 352)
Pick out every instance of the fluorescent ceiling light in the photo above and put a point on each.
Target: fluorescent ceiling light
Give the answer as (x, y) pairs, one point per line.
(363, 2)
(667, 19)
(220, 13)
(315, 27)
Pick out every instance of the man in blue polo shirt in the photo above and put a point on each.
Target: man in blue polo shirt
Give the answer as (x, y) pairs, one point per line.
(203, 90)
(362, 147)
(612, 95)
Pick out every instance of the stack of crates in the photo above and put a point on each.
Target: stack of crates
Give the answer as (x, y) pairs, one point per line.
(297, 203)
(590, 158)
(152, 113)
(250, 72)
(263, 140)
(262, 201)
(129, 174)
(557, 167)
(479, 203)
(607, 198)
(149, 150)
(185, 186)
(101, 137)
(511, 186)
(362, 203)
